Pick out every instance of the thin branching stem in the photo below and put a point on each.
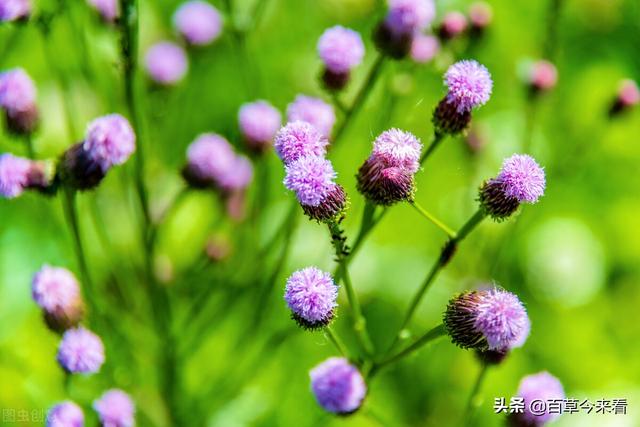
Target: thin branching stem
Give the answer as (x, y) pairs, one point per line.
(336, 341)
(431, 335)
(438, 223)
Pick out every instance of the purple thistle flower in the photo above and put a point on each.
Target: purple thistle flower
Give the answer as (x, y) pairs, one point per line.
(299, 139)
(453, 24)
(109, 10)
(469, 85)
(115, 409)
(166, 63)
(628, 94)
(541, 386)
(238, 176)
(198, 22)
(18, 99)
(520, 180)
(14, 175)
(311, 178)
(480, 15)
(409, 16)
(65, 414)
(340, 49)
(14, 10)
(311, 296)
(80, 351)
(490, 319)
(17, 90)
(338, 386)
(543, 76)
(314, 111)
(109, 141)
(399, 148)
(259, 122)
(424, 48)
(57, 292)
(209, 159)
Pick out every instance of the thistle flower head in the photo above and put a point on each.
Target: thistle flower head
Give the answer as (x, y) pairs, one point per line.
(311, 296)
(340, 49)
(338, 386)
(314, 111)
(409, 16)
(115, 409)
(17, 90)
(198, 22)
(109, 141)
(384, 184)
(166, 63)
(109, 10)
(14, 175)
(628, 93)
(453, 24)
(399, 148)
(541, 386)
(469, 85)
(311, 178)
(299, 139)
(57, 292)
(490, 319)
(480, 14)
(65, 414)
(210, 157)
(80, 351)
(522, 178)
(543, 75)
(13, 10)
(259, 122)
(238, 176)
(424, 48)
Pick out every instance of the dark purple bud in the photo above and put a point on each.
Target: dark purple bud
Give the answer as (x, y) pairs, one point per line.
(383, 185)
(330, 208)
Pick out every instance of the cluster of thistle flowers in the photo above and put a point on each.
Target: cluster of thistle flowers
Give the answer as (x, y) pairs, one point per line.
(491, 321)
(57, 292)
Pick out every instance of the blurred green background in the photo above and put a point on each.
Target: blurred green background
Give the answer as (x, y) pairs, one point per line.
(573, 258)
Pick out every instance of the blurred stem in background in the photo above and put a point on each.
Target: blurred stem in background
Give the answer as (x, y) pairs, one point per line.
(361, 97)
(553, 17)
(43, 23)
(474, 398)
(447, 252)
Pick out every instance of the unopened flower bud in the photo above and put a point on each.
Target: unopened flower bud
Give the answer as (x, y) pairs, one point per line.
(14, 10)
(314, 111)
(198, 22)
(543, 76)
(259, 122)
(490, 319)
(480, 16)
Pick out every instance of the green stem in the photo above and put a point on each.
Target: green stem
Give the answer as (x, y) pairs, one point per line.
(338, 103)
(431, 335)
(28, 142)
(359, 321)
(366, 225)
(72, 218)
(358, 102)
(129, 51)
(442, 226)
(447, 252)
(437, 139)
(335, 339)
(474, 397)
